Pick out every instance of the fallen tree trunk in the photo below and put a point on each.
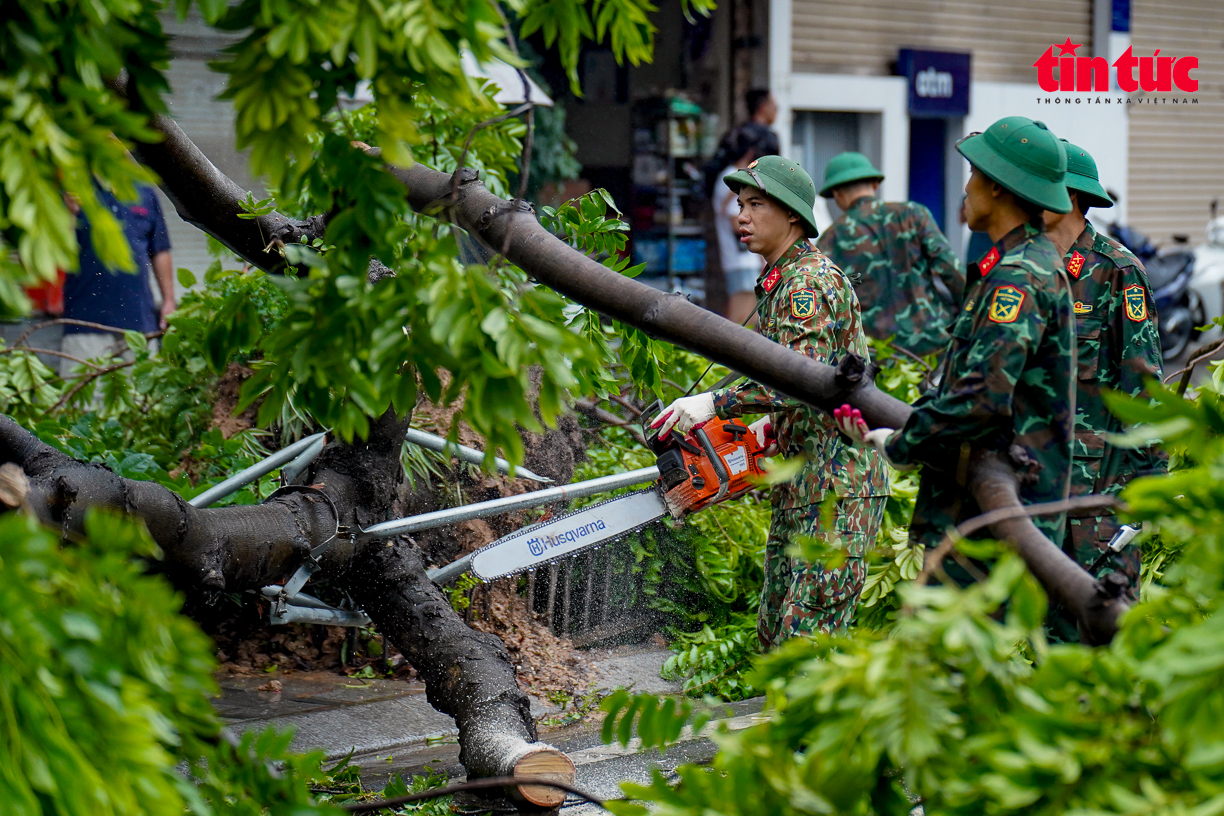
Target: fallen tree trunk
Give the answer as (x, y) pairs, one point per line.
(468, 674)
(671, 317)
(504, 226)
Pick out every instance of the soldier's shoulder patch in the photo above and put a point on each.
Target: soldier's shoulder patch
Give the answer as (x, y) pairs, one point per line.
(1082, 308)
(988, 261)
(803, 304)
(771, 280)
(1136, 303)
(1005, 304)
(1075, 264)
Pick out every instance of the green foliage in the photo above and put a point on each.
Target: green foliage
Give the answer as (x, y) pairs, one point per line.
(574, 708)
(960, 705)
(656, 721)
(285, 78)
(103, 686)
(26, 387)
(458, 595)
(155, 415)
(58, 129)
(341, 785)
(716, 661)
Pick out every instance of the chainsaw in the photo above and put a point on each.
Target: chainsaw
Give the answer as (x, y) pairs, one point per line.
(715, 462)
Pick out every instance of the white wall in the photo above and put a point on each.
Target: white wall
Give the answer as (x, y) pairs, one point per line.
(1102, 130)
(860, 94)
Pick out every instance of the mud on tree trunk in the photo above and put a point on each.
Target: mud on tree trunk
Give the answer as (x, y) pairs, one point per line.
(467, 673)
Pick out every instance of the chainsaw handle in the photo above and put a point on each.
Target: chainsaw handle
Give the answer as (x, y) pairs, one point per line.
(720, 469)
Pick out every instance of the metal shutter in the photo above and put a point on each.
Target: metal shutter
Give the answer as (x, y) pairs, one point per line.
(1176, 151)
(208, 121)
(863, 36)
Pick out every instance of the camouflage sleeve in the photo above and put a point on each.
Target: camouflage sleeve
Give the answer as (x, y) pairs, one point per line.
(988, 353)
(944, 262)
(1132, 323)
(806, 322)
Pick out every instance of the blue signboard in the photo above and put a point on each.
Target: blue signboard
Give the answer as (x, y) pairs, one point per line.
(938, 82)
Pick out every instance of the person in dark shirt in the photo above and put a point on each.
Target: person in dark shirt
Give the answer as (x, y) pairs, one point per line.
(107, 297)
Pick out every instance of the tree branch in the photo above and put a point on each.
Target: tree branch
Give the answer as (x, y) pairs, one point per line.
(468, 674)
(211, 201)
(464, 201)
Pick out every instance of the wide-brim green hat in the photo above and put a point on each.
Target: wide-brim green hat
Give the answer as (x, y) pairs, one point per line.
(784, 181)
(848, 167)
(1025, 158)
(1083, 178)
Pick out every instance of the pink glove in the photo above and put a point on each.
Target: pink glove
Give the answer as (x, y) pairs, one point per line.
(850, 422)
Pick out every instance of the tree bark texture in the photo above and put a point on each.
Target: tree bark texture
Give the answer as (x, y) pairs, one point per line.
(502, 226)
(673, 318)
(468, 674)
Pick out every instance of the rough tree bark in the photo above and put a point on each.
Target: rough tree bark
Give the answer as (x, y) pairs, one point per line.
(671, 317)
(468, 674)
(500, 225)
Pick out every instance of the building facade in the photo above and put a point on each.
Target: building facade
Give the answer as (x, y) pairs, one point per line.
(839, 72)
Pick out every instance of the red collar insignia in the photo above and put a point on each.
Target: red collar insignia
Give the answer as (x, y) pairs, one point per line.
(771, 280)
(988, 261)
(1075, 265)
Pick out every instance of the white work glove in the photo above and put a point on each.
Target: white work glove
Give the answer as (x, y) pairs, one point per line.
(685, 413)
(763, 429)
(850, 422)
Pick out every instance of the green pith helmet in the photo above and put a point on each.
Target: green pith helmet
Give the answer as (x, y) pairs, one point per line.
(845, 168)
(784, 181)
(1082, 177)
(1025, 158)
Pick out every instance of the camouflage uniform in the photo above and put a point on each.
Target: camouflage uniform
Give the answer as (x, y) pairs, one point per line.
(1119, 348)
(1007, 379)
(806, 303)
(893, 254)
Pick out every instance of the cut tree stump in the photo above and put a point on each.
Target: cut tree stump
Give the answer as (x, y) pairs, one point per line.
(550, 763)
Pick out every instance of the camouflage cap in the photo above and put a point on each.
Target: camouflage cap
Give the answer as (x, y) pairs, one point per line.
(1083, 179)
(848, 167)
(1025, 158)
(784, 181)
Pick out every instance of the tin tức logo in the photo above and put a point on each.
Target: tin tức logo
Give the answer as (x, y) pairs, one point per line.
(1154, 74)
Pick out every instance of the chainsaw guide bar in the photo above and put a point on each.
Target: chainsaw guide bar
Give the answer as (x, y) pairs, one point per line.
(565, 535)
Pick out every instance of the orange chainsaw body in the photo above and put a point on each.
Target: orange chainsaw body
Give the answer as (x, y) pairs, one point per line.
(716, 461)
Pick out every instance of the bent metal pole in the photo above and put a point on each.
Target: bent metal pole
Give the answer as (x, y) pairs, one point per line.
(466, 454)
(255, 471)
(577, 490)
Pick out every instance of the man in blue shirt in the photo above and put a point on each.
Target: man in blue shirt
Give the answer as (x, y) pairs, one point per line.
(116, 298)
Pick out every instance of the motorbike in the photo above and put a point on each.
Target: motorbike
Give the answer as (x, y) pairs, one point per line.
(1179, 309)
(1208, 281)
(1171, 272)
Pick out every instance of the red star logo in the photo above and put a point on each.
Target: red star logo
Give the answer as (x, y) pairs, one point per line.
(1067, 48)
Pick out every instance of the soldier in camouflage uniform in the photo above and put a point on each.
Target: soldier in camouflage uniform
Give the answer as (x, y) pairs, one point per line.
(908, 280)
(1008, 376)
(806, 303)
(1118, 349)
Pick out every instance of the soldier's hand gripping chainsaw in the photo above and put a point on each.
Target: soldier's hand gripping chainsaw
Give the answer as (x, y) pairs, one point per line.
(716, 461)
